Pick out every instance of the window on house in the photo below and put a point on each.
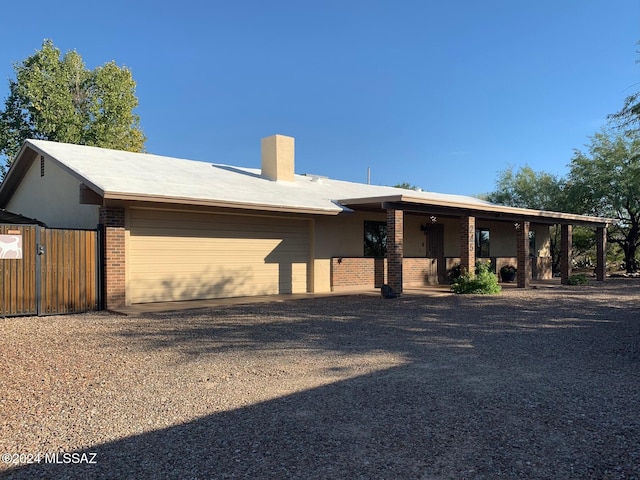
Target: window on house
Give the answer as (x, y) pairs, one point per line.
(41, 165)
(375, 239)
(482, 243)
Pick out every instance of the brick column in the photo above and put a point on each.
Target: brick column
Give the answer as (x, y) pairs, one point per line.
(522, 248)
(566, 245)
(468, 244)
(395, 248)
(601, 253)
(114, 259)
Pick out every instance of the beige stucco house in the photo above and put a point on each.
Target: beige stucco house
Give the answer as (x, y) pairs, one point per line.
(177, 229)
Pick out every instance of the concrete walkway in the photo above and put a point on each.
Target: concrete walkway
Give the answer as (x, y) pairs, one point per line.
(429, 290)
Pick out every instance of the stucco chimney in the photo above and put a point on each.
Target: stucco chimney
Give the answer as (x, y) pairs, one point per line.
(278, 158)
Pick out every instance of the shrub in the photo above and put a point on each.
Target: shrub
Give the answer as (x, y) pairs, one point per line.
(454, 273)
(484, 281)
(578, 279)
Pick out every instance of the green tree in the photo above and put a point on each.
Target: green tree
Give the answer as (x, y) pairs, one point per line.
(57, 98)
(527, 188)
(605, 181)
(407, 186)
(628, 118)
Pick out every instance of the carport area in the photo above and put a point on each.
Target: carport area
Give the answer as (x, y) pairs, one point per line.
(532, 383)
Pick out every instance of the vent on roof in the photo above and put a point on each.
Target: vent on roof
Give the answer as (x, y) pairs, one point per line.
(316, 178)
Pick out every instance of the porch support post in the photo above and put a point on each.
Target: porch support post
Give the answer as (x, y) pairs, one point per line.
(395, 248)
(468, 244)
(524, 262)
(566, 245)
(112, 218)
(601, 253)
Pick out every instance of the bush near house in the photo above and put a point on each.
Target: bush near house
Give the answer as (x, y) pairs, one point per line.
(578, 279)
(484, 281)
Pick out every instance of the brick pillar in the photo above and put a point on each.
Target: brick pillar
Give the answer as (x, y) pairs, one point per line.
(601, 253)
(395, 248)
(114, 260)
(566, 245)
(468, 244)
(524, 262)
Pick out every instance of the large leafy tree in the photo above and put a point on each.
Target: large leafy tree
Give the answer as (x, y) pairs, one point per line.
(605, 181)
(628, 118)
(526, 188)
(57, 98)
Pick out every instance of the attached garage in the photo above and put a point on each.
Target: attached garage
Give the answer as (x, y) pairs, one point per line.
(185, 256)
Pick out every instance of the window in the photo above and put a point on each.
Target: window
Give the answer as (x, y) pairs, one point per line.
(41, 165)
(482, 243)
(375, 239)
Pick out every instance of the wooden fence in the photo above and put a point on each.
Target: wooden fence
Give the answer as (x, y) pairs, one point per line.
(47, 271)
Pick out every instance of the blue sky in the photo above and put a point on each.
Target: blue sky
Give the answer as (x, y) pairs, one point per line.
(440, 94)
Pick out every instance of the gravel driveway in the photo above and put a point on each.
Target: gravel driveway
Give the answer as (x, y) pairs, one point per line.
(528, 384)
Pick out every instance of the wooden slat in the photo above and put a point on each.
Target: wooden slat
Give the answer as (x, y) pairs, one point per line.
(17, 276)
(68, 272)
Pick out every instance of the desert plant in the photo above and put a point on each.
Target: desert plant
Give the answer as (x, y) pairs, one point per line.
(484, 281)
(578, 279)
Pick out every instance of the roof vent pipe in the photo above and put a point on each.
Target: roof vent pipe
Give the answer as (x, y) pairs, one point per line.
(278, 158)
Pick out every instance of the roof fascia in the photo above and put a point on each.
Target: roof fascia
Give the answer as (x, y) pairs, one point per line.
(409, 202)
(16, 173)
(125, 197)
(501, 212)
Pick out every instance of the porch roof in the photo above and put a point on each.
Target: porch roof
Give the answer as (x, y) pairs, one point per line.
(444, 206)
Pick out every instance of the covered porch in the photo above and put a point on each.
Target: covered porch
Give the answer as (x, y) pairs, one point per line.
(400, 272)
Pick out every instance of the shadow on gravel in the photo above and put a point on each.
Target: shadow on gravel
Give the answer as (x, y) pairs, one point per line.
(493, 387)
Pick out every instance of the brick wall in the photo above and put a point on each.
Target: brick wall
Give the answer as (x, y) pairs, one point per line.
(601, 253)
(522, 248)
(468, 243)
(349, 273)
(417, 272)
(357, 273)
(395, 248)
(566, 245)
(114, 255)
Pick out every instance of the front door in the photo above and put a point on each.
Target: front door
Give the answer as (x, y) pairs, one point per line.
(435, 248)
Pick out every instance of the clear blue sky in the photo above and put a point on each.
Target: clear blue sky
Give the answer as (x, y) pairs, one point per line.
(441, 94)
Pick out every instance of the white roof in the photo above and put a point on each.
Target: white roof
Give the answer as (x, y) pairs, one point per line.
(120, 174)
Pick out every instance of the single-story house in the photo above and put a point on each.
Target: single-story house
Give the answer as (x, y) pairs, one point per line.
(177, 229)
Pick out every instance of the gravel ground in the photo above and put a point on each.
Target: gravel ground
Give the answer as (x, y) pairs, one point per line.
(541, 384)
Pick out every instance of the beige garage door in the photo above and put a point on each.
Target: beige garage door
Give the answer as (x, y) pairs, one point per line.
(188, 256)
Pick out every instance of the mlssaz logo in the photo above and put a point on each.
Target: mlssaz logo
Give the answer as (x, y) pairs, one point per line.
(63, 458)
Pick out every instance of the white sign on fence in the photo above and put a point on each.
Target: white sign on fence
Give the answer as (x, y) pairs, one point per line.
(10, 246)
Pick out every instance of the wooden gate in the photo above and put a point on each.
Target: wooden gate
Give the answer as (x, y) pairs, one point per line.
(46, 271)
